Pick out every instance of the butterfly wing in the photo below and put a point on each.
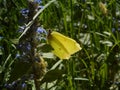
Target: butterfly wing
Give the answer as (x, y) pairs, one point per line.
(69, 44)
(63, 46)
(59, 50)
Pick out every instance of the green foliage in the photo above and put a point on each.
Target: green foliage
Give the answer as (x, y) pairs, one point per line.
(52, 75)
(19, 70)
(95, 67)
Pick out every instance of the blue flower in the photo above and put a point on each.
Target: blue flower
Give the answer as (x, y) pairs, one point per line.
(38, 1)
(41, 30)
(41, 34)
(24, 12)
(24, 85)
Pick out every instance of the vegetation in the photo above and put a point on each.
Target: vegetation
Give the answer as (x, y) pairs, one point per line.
(26, 62)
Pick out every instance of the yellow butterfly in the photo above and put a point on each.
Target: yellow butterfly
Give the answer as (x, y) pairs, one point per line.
(63, 46)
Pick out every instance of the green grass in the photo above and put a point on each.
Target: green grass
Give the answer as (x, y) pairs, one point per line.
(96, 61)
